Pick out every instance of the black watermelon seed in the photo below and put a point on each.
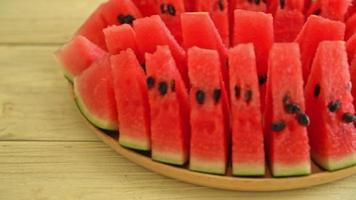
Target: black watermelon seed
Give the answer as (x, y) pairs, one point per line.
(217, 95)
(317, 12)
(200, 97)
(282, 3)
(126, 19)
(303, 119)
(171, 10)
(150, 81)
(237, 90)
(162, 88)
(248, 96)
(348, 117)
(316, 90)
(278, 126)
(334, 106)
(163, 8)
(173, 85)
(291, 108)
(221, 5)
(262, 79)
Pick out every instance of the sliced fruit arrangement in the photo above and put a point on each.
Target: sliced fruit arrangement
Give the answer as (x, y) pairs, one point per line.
(209, 85)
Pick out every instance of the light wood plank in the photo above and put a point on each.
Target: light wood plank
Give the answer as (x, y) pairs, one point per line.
(34, 100)
(42, 21)
(90, 170)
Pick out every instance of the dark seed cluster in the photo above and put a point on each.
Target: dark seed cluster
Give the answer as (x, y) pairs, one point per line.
(126, 19)
(262, 79)
(200, 97)
(163, 86)
(282, 3)
(316, 90)
(217, 95)
(168, 8)
(150, 81)
(334, 106)
(248, 96)
(221, 5)
(237, 91)
(348, 117)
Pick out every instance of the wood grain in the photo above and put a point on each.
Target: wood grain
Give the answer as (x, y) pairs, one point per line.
(90, 170)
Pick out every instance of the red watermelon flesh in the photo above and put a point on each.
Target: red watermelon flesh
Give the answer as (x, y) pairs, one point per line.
(218, 10)
(285, 118)
(287, 24)
(94, 94)
(315, 30)
(152, 32)
(189, 5)
(113, 12)
(170, 11)
(352, 9)
(296, 5)
(351, 47)
(147, 7)
(119, 38)
(198, 30)
(353, 78)
(132, 101)
(77, 55)
(169, 107)
(350, 26)
(256, 27)
(334, 10)
(248, 157)
(329, 104)
(209, 113)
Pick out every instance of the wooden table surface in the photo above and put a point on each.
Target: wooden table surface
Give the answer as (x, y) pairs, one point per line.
(46, 150)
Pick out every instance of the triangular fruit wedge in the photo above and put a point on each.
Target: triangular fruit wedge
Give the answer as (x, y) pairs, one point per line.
(132, 101)
(285, 120)
(94, 95)
(170, 11)
(248, 157)
(257, 28)
(169, 107)
(199, 30)
(77, 55)
(209, 117)
(218, 10)
(329, 103)
(112, 12)
(315, 30)
(152, 32)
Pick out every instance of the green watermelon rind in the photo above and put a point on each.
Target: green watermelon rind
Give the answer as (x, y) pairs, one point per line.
(285, 170)
(336, 163)
(241, 169)
(218, 168)
(141, 145)
(97, 122)
(169, 158)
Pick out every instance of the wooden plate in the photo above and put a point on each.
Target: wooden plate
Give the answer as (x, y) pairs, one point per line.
(228, 182)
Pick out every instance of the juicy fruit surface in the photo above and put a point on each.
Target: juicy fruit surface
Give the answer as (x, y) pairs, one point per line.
(169, 108)
(209, 142)
(132, 101)
(248, 157)
(94, 93)
(286, 136)
(331, 137)
(222, 101)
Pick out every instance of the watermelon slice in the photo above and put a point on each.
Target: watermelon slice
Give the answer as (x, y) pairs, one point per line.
(329, 104)
(169, 105)
(256, 27)
(351, 47)
(94, 94)
(209, 114)
(113, 12)
(77, 55)
(287, 24)
(350, 26)
(199, 30)
(147, 7)
(248, 157)
(315, 30)
(218, 10)
(132, 101)
(120, 38)
(170, 11)
(285, 119)
(148, 43)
